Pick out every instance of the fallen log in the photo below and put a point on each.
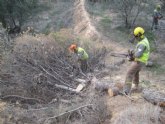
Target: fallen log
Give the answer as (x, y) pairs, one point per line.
(103, 85)
(115, 90)
(154, 96)
(112, 88)
(77, 90)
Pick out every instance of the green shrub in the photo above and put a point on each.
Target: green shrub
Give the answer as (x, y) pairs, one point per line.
(151, 37)
(64, 36)
(157, 69)
(106, 22)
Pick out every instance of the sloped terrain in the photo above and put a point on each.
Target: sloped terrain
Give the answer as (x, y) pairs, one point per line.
(123, 110)
(33, 73)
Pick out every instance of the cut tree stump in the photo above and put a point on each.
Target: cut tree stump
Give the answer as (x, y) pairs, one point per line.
(102, 85)
(113, 89)
(154, 96)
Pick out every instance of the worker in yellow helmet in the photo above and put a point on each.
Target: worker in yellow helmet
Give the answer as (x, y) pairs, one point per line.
(156, 17)
(82, 56)
(140, 58)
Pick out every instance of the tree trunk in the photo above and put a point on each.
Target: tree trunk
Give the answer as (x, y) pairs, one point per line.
(154, 96)
(2, 19)
(113, 89)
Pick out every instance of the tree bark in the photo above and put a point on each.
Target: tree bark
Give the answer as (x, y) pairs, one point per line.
(113, 89)
(154, 96)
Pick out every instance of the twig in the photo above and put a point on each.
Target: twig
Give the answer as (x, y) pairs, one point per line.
(53, 101)
(39, 109)
(80, 71)
(80, 114)
(68, 112)
(127, 96)
(56, 73)
(64, 87)
(53, 76)
(68, 118)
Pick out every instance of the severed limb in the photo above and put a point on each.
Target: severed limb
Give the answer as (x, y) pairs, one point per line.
(67, 112)
(154, 96)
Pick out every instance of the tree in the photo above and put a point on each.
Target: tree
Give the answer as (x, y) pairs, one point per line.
(130, 9)
(14, 12)
(163, 2)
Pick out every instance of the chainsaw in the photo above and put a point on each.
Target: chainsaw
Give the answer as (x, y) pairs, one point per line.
(129, 55)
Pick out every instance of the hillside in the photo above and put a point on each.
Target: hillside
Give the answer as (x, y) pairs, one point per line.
(39, 81)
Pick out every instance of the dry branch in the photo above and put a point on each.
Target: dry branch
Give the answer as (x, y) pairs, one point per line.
(68, 112)
(21, 98)
(80, 80)
(103, 85)
(112, 88)
(127, 96)
(77, 90)
(65, 88)
(54, 76)
(39, 109)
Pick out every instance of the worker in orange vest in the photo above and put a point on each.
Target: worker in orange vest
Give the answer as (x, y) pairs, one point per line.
(82, 56)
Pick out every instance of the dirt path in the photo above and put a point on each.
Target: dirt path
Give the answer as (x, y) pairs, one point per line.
(84, 27)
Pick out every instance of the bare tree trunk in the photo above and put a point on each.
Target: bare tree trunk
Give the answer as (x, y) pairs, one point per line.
(137, 14)
(13, 21)
(154, 96)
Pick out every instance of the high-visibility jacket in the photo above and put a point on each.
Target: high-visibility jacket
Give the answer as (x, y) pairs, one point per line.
(145, 56)
(82, 54)
(157, 14)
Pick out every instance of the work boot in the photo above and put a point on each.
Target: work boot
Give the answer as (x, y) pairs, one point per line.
(135, 87)
(127, 89)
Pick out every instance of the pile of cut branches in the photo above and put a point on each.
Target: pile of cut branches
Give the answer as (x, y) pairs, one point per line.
(42, 68)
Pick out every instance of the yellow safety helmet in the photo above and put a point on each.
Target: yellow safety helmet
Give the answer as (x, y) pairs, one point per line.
(138, 32)
(158, 7)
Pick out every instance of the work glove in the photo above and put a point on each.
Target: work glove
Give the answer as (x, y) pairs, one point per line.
(161, 17)
(130, 56)
(132, 40)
